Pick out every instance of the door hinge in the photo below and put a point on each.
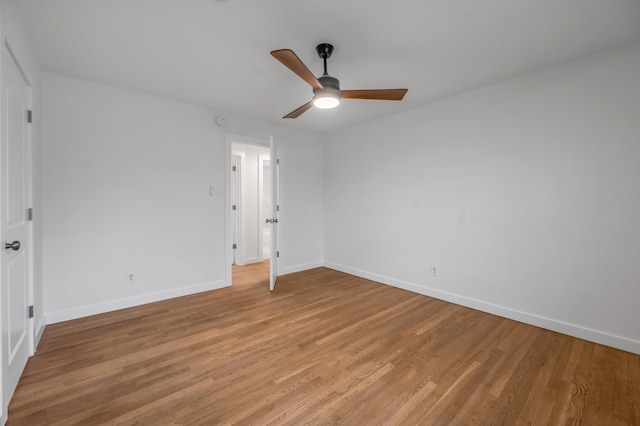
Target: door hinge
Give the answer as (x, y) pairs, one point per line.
(277, 254)
(278, 161)
(31, 311)
(233, 207)
(233, 168)
(29, 116)
(235, 246)
(277, 208)
(30, 213)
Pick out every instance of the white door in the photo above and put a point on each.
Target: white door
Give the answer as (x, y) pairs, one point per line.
(275, 213)
(16, 330)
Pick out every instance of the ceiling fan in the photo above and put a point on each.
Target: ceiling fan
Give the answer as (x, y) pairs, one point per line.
(326, 89)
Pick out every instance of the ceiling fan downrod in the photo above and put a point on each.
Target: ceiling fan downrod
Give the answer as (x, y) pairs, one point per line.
(324, 51)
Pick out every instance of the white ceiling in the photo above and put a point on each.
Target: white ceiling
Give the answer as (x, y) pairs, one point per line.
(215, 53)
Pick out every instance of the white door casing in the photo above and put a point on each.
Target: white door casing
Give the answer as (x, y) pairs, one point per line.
(15, 296)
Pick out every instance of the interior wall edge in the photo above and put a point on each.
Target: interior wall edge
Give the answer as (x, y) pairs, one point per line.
(39, 330)
(575, 330)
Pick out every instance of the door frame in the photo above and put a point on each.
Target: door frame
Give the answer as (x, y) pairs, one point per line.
(237, 138)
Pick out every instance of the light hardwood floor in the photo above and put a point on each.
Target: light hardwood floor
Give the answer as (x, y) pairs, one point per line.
(324, 348)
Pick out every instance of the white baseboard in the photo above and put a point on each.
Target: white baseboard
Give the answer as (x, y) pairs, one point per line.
(574, 330)
(85, 311)
(299, 268)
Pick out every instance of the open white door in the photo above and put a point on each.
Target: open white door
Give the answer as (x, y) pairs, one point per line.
(14, 227)
(275, 213)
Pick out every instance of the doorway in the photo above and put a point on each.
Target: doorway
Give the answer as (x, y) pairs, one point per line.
(252, 206)
(248, 187)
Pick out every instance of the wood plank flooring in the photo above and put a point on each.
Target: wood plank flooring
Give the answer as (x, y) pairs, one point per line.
(324, 348)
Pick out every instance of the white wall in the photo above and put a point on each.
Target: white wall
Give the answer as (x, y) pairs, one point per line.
(251, 224)
(126, 188)
(524, 194)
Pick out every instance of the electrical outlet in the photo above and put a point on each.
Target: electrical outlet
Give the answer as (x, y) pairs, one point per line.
(131, 278)
(434, 270)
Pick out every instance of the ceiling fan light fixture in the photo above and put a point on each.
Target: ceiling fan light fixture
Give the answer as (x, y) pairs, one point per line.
(326, 100)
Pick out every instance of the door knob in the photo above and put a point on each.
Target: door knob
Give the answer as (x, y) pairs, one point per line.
(12, 246)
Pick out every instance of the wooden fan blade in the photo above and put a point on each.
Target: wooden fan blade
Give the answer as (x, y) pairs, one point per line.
(291, 61)
(298, 112)
(377, 94)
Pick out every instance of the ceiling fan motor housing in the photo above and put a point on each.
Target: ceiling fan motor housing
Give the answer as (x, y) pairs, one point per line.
(328, 82)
